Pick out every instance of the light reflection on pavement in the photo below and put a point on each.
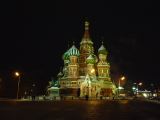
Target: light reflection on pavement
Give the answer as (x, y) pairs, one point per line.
(79, 110)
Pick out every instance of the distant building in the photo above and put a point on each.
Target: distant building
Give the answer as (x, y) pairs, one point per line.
(85, 73)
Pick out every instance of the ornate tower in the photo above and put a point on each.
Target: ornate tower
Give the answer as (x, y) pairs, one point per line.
(103, 66)
(73, 67)
(69, 82)
(86, 48)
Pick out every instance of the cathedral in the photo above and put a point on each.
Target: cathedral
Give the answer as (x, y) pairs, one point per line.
(84, 73)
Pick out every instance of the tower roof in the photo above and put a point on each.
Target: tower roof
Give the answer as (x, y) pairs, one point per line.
(102, 50)
(91, 59)
(73, 51)
(86, 37)
(65, 56)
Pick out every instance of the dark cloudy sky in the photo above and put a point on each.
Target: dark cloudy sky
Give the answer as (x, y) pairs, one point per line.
(34, 35)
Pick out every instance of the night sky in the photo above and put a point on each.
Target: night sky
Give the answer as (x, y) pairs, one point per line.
(34, 35)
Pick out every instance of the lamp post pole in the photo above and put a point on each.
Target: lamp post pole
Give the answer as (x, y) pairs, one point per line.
(119, 84)
(19, 79)
(137, 88)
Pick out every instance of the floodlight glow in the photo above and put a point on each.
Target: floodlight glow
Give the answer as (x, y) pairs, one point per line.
(140, 84)
(92, 71)
(122, 78)
(145, 95)
(120, 88)
(17, 73)
(133, 88)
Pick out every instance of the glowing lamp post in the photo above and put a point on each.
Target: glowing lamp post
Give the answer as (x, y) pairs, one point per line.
(140, 84)
(17, 74)
(119, 84)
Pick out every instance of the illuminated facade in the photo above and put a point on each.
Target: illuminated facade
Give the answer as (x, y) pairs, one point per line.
(85, 73)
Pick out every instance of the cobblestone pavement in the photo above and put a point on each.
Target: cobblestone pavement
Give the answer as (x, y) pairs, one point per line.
(79, 110)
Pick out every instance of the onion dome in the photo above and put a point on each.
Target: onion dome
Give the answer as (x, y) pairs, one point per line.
(102, 50)
(65, 56)
(73, 51)
(91, 59)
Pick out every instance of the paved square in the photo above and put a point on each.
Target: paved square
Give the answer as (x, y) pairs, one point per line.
(79, 110)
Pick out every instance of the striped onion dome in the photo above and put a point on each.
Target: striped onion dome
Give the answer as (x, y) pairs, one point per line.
(102, 50)
(73, 51)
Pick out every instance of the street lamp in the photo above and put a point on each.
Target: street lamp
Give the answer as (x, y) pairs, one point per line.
(17, 74)
(119, 84)
(140, 84)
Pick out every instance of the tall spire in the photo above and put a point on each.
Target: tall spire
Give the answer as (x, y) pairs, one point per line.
(86, 25)
(86, 48)
(86, 32)
(86, 37)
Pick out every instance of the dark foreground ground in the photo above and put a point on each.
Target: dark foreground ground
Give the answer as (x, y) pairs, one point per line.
(79, 110)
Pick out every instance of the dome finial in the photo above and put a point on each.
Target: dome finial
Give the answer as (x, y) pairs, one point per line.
(73, 42)
(102, 40)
